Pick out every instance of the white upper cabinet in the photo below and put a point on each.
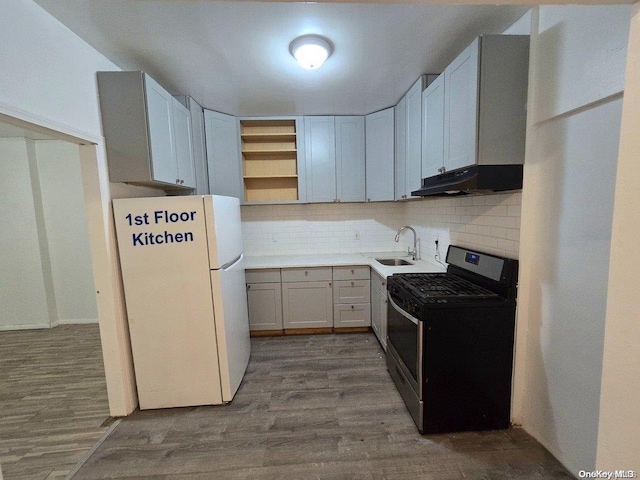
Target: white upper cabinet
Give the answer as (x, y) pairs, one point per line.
(198, 144)
(320, 150)
(413, 168)
(401, 149)
(161, 138)
(408, 170)
(184, 147)
(335, 159)
(223, 154)
(350, 158)
(379, 133)
(461, 108)
(433, 128)
(475, 112)
(147, 134)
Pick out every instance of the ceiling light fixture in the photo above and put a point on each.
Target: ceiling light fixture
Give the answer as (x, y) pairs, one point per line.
(310, 51)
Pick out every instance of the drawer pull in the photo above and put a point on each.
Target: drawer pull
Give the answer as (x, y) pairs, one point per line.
(353, 271)
(352, 307)
(306, 273)
(352, 284)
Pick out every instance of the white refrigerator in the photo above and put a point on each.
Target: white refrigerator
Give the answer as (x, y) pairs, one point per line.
(184, 283)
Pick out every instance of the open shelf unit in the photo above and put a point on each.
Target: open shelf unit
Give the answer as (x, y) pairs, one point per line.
(269, 160)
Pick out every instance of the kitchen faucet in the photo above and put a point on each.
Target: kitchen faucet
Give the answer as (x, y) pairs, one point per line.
(413, 252)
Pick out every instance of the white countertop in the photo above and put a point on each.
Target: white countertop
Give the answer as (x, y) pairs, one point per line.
(339, 259)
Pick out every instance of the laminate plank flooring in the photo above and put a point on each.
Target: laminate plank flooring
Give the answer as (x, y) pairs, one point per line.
(310, 407)
(53, 400)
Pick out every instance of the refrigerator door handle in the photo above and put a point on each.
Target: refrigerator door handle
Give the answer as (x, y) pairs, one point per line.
(232, 263)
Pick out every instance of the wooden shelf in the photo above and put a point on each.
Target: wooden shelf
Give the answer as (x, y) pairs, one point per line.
(269, 156)
(253, 177)
(268, 137)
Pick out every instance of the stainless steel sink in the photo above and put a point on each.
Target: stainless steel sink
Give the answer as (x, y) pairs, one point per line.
(395, 262)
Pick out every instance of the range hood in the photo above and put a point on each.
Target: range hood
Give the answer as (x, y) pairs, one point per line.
(476, 179)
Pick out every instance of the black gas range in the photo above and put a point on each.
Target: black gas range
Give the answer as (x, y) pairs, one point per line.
(450, 341)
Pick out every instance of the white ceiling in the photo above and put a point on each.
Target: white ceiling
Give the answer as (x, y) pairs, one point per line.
(233, 56)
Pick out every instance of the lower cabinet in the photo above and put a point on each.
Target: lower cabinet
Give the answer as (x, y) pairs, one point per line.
(379, 308)
(351, 297)
(264, 298)
(307, 298)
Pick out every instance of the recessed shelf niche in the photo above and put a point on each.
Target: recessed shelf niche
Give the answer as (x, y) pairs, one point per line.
(269, 160)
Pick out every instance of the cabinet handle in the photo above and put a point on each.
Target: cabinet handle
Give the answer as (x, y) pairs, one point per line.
(329, 283)
(352, 284)
(352, 307)
(248, 287)
(306, 273)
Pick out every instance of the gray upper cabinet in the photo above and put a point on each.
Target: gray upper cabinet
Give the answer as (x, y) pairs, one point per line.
(433, 128)
(335, 158)
(408, 171)
(482, 95)
(401, 149)
(184, 148)
(147, 135)
(223, 154)
(461, 108)
(379, 133)
(320, 155)
(350, 159)
(413, 168)
(198, 144)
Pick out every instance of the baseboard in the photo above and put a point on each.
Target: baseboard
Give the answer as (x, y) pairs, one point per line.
(74, 321)
(32, 326)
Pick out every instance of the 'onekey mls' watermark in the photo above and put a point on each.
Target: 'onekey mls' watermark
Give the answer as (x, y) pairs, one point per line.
(609, 474)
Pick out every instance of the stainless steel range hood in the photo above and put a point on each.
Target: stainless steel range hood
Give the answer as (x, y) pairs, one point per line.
(474, 179)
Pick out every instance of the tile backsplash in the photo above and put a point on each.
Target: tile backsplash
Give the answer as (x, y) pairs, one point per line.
(489, 223)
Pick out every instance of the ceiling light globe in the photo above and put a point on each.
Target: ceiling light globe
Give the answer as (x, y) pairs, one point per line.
(310, 51)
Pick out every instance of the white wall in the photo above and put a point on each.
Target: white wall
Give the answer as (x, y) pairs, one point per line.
(67, 235)
(49, 80)
(23, 297)
(567, 209)
(619, 436)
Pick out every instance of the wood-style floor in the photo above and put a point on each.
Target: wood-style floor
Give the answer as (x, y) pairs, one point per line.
(53, 400)
(310, 407)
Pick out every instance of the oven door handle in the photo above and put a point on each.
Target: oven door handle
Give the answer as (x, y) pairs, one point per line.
(400, 310)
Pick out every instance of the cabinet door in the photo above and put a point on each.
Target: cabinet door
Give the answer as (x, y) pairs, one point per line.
(401, 149)
(161, 134)
(380, 158)
(265, 306)
(413, 168)
(320, 156)
(461, 109)
(184, 148)
(433, 128)
(379, 315)
(307, 305)
(199, 148)
(223, 154)
(350, 166)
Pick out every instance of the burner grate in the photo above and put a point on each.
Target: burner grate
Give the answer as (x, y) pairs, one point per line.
(439, 287)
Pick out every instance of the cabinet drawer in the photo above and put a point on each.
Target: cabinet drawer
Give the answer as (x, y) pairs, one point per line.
(266, 275)
(378, 282)
(316, 274)
(351, 273)
(354, 315)
(351, 291)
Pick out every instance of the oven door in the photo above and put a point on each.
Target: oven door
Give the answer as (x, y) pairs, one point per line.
(404, 356)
